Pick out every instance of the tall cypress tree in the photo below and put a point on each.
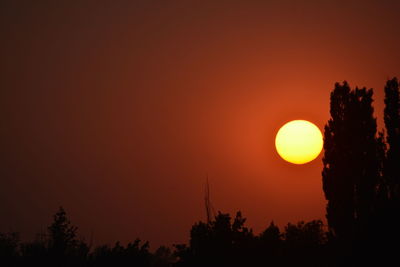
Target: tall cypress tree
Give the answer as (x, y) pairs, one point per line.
(338, 184)
(365, 158)
(351, 166)
(392, 123)
(388, 218)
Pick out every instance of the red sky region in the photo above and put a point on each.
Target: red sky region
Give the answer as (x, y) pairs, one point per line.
(118, 110)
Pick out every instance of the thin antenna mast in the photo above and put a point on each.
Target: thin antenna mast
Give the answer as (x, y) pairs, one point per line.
(209, 208)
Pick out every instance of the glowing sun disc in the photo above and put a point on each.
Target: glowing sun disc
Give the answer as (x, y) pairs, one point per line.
(299, 141)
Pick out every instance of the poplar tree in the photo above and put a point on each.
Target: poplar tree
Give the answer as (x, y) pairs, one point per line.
(351, 166)
(365, 158)
(338, 183)
(392, 124)
(388, 217)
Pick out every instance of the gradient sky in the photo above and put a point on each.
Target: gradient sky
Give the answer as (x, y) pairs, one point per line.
(118, 110)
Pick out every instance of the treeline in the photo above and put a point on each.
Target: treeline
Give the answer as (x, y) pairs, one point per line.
(60, 246)
(224, 241)
(361, 182)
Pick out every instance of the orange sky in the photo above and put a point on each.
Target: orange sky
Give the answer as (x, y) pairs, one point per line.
(118, 111)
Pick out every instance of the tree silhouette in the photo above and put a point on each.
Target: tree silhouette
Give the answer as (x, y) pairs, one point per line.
(392, 123)
(338, 183)
(352, 166)
(63, 246)
(388, 209)
(366, 168)
(134, 254)
(219, 242)
(271, 237)
(163, 257)
(269, 247)
(303, 243)
(224, 241)
(61, 233)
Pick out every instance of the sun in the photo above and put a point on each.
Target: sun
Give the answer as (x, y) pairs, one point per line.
(299, 141)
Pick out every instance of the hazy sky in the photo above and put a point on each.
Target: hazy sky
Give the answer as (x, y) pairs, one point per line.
(117, 110)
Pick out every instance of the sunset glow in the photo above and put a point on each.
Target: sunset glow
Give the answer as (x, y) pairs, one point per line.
(122, 111)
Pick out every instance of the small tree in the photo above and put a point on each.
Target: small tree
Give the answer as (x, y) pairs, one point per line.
(62, 234)
(63, 245)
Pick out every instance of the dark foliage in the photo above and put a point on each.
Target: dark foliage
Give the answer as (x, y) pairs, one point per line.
(351, 167)
(227, 242)
(9, 245)
(338, 184)
(221, 242)
(388, 212)
(134, 254)
(360, 178)
(392, 123)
